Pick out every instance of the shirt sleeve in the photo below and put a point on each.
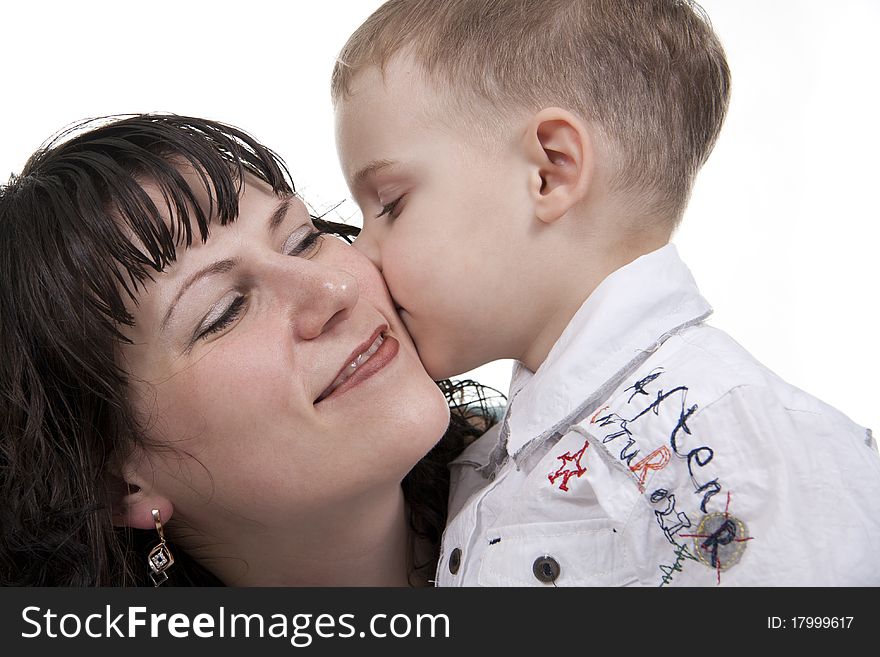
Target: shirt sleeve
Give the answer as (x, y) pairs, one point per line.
(798, 499)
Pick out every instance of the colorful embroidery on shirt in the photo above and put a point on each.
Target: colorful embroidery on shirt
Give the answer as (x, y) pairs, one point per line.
(681, 554)
(597, 413)
(565, 470)
(656, 460)
(720, 540)
(679, 435)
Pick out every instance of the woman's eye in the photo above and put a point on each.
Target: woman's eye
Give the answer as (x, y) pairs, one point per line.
(303, 242)
(391, 209)
(227, 316)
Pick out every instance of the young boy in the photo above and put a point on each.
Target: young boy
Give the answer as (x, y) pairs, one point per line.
(521, 165)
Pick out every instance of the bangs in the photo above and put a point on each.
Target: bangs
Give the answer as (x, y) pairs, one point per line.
(95, 218)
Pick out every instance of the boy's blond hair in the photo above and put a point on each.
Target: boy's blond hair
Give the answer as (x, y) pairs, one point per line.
(649, 75)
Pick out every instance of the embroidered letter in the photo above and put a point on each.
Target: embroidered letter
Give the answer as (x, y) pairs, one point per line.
(639, 386)
(720, 540)
(670, 519)
(656, 460)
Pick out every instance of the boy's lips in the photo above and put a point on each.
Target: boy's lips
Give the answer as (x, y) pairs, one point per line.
(367, 358)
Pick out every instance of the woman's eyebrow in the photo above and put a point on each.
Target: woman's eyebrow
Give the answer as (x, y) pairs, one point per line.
(278, 214)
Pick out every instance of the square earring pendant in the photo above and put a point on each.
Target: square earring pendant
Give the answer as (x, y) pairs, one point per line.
(160, 560)
(159, 578)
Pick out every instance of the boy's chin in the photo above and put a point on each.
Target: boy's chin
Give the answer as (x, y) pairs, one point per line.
(443, 359)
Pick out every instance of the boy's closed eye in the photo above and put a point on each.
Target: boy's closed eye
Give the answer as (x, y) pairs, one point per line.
(391, 209)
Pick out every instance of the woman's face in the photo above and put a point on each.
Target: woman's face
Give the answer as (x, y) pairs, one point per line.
(241, 363)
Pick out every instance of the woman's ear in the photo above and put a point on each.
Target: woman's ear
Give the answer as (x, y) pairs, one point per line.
(560, 151)
(133, 501)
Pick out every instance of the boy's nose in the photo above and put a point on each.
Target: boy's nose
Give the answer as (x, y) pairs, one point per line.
(328, 296)
(366, 244)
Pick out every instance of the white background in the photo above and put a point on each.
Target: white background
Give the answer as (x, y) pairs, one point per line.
(782, 232)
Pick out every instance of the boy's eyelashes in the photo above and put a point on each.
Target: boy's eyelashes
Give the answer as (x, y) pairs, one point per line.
(391, 209)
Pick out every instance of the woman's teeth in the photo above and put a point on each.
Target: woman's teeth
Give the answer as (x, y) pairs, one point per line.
(352, 366)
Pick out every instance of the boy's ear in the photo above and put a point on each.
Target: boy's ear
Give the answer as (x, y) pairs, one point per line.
(133, 501)
(560, 151)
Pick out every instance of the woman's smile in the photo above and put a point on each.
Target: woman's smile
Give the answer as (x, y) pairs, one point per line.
(366, 360)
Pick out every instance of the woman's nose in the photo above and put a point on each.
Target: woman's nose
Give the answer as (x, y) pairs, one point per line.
(328, 296)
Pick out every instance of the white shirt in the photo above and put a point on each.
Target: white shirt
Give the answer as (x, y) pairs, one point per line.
(651, 449)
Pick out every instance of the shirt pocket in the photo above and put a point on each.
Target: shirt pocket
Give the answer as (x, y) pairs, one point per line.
(588, 552)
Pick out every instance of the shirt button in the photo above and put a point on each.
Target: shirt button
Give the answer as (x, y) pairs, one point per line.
(454, 560)
(546, 569)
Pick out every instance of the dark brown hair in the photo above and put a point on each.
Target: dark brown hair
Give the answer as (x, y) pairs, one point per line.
(78, 237)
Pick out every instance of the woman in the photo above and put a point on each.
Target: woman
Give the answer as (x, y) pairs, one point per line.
(197, 370)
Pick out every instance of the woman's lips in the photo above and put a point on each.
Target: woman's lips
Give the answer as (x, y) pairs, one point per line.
(367, 362)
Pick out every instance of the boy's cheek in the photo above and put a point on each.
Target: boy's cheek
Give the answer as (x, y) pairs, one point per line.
(429, 306)
(405, 275)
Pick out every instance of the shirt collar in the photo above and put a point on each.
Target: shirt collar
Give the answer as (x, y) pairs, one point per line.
(620, 324)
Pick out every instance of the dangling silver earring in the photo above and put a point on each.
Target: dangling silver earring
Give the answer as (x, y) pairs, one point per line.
(160, 558)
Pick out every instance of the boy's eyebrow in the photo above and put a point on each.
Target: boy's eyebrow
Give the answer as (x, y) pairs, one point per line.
(370, 169)
(224, 266)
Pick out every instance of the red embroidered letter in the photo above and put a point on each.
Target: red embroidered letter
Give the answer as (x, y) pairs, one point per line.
(565, 471)
(656, 460)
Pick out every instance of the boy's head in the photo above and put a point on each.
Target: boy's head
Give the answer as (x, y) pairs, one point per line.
(495, 136)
